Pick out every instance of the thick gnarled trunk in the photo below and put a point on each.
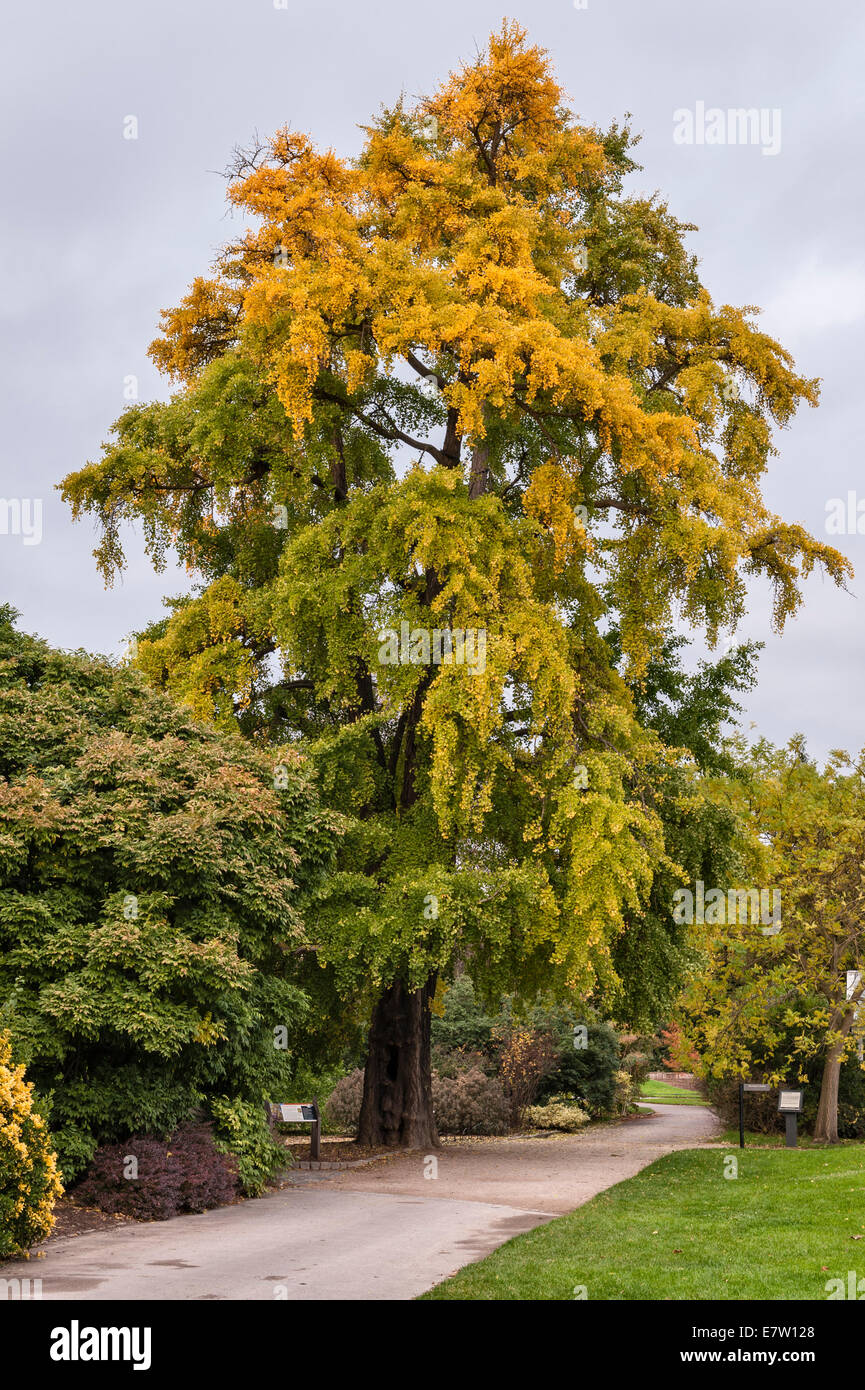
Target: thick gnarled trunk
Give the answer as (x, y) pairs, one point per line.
(397, 1086)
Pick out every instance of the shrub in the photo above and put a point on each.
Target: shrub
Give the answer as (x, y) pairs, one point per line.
(154, 1179)
(655, 1049)
(588, 1073)
(638, 1066)
(558, 1113)
(626, 1093)
(851, 1099)
(29, 1182)
(243, 1132)
(470, 1103)
(151, 882)
(527, 1056)
(342, 1107)
(452, 1061)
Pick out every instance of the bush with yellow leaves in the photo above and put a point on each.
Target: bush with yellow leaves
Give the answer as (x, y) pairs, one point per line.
(29, 1181)
(558, 1112)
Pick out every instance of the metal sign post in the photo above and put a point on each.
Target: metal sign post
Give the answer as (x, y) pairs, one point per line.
(315, 1136)
(303, 1114)
(790, 1103)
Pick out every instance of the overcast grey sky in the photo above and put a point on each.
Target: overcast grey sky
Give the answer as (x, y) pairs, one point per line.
(101, 232)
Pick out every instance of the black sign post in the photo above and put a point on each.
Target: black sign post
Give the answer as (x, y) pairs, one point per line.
(302, 1114)
(791, 1099)
(315, 1135)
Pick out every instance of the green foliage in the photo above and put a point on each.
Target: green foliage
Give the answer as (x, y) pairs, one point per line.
(242, 1131)
(463, 1023)
(316, 1081)
(581, 462)
(775, 998)
(691, 710)
(761, 1111)
(466, 1037)
(587, 1073)
(656, 956)
(152, 886)
(637, 1065)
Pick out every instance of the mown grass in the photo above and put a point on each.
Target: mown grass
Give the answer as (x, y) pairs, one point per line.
(663, 1092)
(775, 1141)
(790, 1221)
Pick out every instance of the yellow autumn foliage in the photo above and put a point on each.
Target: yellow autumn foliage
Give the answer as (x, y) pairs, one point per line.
(29, 1182)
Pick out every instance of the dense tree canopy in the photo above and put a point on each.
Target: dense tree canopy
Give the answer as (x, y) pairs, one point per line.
(465, 382)
(151, 881)
(702, 824)
(771, 998)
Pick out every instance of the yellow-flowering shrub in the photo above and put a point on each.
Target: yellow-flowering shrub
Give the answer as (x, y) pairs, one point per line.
(29, 1181)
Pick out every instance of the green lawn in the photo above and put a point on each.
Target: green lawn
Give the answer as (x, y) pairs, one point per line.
(662, 1091)
(789, 1222)
(753, 1140)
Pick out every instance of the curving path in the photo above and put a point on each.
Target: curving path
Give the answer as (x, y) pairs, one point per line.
(383, 1232)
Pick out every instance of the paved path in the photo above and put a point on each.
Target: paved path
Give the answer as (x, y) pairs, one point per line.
(384, 1232)
(550, 1175)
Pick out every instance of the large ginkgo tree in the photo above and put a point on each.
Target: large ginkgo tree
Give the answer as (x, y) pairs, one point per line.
(460, 383)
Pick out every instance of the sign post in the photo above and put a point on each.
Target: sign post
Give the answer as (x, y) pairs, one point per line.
(741, 1115)
(790, 1103)
(303, 1114)
(743, 1087)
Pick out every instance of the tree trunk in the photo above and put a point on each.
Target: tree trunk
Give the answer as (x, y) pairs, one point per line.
(826, 1125)
(397, 1084)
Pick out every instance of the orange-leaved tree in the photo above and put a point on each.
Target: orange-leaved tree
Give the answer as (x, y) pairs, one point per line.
(444, 410)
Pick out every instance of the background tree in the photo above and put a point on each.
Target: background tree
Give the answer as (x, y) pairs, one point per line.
(773, 1000)
(151, 880)
(694, 715)
(462, 381)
